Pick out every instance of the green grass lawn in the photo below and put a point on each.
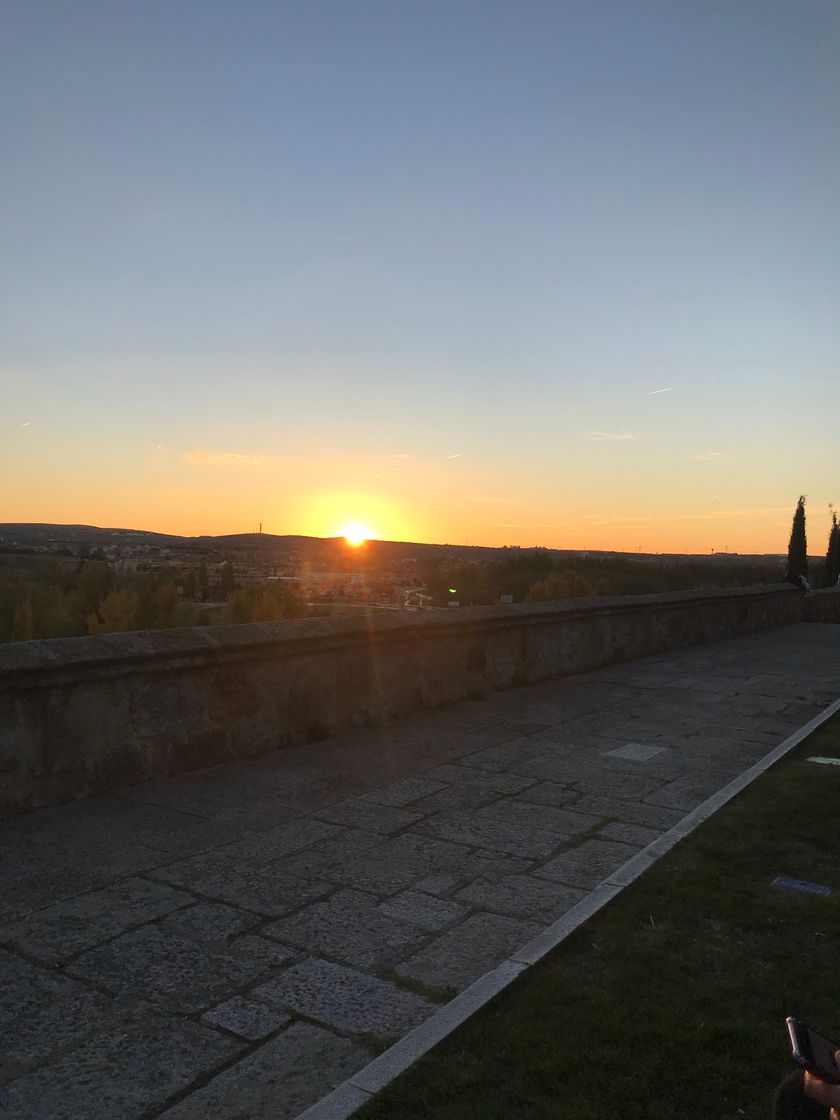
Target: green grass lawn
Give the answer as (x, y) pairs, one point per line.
(671, 1002)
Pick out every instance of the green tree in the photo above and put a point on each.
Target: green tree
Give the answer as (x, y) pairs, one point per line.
(118, 612)
(473, 585)
(23, 628)
(295, 604)
(797, 560)
(188, 583)
(559, 585)
(164, 606)
(238, 607)
(186, 614)
(227, 579)
(832, 556)
(54, 614)
(263, 604)
(93, 582)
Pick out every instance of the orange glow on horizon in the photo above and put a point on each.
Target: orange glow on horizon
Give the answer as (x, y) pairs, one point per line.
(358, 516)
(206, 503)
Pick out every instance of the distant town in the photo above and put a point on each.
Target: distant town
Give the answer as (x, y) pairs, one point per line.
(72, 580)
(326, 570)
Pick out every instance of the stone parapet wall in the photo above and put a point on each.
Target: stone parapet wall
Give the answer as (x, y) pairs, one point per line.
(80, 716)
(822, 606)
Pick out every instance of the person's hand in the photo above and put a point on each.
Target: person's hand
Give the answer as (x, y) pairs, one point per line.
(823, 1092)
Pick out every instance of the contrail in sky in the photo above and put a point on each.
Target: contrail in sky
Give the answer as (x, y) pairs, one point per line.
(655, 391)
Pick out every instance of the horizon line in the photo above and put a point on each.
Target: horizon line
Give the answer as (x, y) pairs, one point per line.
(374, 540)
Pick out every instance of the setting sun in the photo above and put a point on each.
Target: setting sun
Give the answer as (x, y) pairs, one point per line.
(355, 535)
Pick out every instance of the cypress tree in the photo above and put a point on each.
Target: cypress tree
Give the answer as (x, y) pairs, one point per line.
(797, 562)
(832, 556)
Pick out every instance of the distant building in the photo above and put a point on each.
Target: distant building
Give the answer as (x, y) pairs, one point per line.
(330, 580)
(415, 600)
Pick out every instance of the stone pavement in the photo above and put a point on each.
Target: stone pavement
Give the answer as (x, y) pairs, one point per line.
(233, 943)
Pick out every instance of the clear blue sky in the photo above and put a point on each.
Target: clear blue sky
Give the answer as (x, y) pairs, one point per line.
(313, 250)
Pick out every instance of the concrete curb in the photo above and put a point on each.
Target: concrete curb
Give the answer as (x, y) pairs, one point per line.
(357, 1090)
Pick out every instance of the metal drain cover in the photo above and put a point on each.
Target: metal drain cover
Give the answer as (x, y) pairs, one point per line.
(800, 885)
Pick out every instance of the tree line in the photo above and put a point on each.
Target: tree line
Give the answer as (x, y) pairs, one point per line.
(537, 575)
(52, 597)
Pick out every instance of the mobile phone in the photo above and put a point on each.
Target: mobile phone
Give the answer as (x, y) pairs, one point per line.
(813, 1052)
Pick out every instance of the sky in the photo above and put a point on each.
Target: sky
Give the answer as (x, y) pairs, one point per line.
(534, 273)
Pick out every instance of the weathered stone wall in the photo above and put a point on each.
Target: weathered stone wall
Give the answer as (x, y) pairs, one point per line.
(83, 715)
(823, 606)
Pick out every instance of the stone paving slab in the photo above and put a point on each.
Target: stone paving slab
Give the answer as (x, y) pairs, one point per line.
(631, 812)
(277, 1081)
(42, 1014)
(439, 885)
(349, 928)
(336, 878)
(495, 730)
(601, 778)
(246, 1018)
(430, 914)
(265, 889)
(38, 876)
(522, 896)
(384, 866)
(174, 971)
(589, 864)
(635, 834)
(520, 814)
(45, 1035)
(664, 764)
(60, 931)
(470, 831)
(343, 998)
(485, 862)
(687, 791)
(210, 922)
(454, 798)
(160, 828)
(456, 958)
(498, 784)
(322, 858)
(121, 1073)
(404, 792)
(502, 758)
(551, 793)
(359, 813)
(273, 843)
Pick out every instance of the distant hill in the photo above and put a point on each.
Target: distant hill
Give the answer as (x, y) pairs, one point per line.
(39, 533)
(31, 534)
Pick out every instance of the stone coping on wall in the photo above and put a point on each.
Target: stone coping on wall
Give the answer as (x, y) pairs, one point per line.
(45, 662)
